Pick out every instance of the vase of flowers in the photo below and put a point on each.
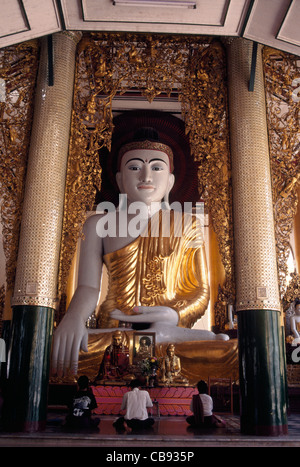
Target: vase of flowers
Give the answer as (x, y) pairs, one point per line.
(148, 368)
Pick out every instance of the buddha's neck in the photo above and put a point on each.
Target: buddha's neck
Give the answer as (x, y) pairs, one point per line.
(147, 212)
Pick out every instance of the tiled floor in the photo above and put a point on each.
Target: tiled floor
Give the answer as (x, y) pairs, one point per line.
(168, 432)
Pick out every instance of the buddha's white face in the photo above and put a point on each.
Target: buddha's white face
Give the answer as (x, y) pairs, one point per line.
(145, 175)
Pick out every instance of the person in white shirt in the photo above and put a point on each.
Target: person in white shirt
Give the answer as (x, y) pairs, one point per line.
(202, 408)
(135, 402)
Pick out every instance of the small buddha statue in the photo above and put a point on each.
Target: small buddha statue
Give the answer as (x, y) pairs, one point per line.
(171, 369)
(144, 349)
(115, 362)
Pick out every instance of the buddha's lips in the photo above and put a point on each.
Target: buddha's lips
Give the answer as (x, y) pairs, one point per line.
(146, 187)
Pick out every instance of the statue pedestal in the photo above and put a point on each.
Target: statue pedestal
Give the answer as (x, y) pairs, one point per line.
(172, 400)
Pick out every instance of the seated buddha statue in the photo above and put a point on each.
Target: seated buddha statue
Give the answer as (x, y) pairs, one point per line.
(144, 349)
(114, 366)
(155, 258)
(170, 369)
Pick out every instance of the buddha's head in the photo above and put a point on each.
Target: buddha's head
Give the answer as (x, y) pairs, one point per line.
(145, 342)
(117, 338)
(171, 350)
(145, 168)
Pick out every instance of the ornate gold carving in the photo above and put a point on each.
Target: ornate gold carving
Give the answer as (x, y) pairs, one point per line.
(153, 281)
(37, 300)
(18, 69)
(111, 64)
(204, 106)
(284, 138)
(292, 291)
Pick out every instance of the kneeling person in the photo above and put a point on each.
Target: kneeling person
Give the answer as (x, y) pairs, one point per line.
(135, 402)
(82, 406)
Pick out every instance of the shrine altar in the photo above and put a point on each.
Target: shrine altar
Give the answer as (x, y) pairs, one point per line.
(173, 400)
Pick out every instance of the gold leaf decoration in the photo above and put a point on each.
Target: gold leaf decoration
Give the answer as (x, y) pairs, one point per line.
(283, 114)
(18, 70)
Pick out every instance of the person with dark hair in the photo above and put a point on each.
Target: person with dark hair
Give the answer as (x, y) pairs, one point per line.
(135, 402)
(202, 408)
(83, 403)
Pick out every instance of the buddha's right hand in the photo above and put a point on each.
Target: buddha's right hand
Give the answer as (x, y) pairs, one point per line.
(70, 337)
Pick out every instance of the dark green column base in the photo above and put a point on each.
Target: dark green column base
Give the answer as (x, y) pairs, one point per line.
(25, 406)
(263, 391)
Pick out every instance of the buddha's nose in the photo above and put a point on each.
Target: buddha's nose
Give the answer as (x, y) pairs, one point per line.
(146, 173)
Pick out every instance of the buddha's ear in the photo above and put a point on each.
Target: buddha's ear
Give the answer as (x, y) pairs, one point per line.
(119, 181)
(170, 186)
(171, 181)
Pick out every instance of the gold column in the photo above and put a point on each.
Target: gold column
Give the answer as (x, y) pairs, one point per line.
(263, 392)
(255, 250)
(35, 291)
(38, 258)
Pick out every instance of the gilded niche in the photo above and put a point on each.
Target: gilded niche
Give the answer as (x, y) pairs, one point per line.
(281, 69)
(192, 68)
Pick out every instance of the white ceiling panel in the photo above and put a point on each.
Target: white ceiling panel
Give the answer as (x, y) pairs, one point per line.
(290, 28)
(22, 20)
(270, 22)
(218, 17)
(110, 11)
(275, 23)
(13, 18)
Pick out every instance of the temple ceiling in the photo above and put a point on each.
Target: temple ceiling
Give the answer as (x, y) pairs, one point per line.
(270, 22)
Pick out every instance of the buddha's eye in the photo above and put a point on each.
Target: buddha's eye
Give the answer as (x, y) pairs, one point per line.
(157, 168)
(134, 167)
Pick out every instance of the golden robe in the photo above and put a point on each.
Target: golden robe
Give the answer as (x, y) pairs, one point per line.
(165, 266)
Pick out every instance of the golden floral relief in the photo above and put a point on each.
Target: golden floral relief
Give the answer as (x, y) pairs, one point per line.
(284, 138)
